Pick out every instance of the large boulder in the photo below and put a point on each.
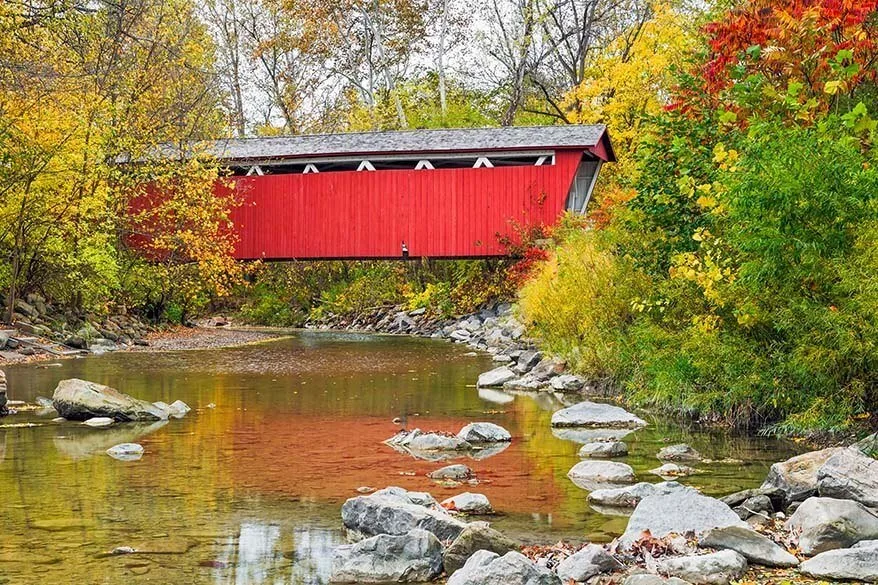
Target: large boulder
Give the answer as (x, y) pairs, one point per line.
(858, 563)
(414, 557)
(592, 475)
(392, 511)
(496, 377)
(629, 496)
(76, 399)
(826, 523)
(484, 432)
(749, 543)
(717, 568)
(851, 475)
(476, 536)
(585, 563)
(797, 477)
(679, 512)
(513, 568)
(596, 414)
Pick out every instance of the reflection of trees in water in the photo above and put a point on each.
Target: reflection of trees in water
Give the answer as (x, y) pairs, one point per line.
(256, 556)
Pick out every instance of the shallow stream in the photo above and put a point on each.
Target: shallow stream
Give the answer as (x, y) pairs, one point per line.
(247, 488)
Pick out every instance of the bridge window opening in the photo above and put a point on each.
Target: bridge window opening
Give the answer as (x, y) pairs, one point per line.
(583, 185)
(391, 163)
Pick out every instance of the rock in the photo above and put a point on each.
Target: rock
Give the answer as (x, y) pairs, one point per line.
(596, 414)
(76, 342)
(772, 493)
(526, 383)
(825, 523)
(26, 309)
(547, 368)
(566, 383)
(460, 335)
(414, 557)
(647, 579)
(178, 409)
(585, 563)
(868, 445)
(679, 512)
(604, 450)
(417, 440)
(76, 399)
(592, 475)
(717, 568)
(476, 536)
(749, 543)
(681, 452)
(527, 361)
(496, 377)
(755, 506)
(858, 563)
(456, 471)
(797, 477)
(469, 503)
(851, 475)
(488, 568)
(99, 421)
(422, 499)
(126, 451)
(501, 358)
(484, 432)
(673, 470)
(390, 511)
(630, 496)
(4, 338)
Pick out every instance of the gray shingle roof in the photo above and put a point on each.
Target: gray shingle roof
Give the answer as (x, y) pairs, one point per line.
(408, 141)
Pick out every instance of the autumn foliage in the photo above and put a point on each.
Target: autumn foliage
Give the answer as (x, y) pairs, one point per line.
(820, 47)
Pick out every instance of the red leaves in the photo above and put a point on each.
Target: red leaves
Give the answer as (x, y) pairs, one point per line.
(797, 41)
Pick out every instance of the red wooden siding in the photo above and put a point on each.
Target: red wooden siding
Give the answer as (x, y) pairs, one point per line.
(444, 213)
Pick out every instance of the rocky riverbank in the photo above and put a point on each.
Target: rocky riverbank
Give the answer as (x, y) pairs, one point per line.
(40, 330)
(494, 329)
(813, 519)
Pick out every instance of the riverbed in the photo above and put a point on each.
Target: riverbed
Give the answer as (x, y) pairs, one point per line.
(248, 487)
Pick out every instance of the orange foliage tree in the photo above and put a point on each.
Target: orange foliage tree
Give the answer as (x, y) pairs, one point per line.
(787, 52)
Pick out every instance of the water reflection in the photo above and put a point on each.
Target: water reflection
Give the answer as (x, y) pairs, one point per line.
(82, 442)
(250, 491)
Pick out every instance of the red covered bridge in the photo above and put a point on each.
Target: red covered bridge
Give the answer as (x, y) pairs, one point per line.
(450, 193)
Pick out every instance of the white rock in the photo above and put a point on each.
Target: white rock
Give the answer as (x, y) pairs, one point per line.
(496, 377)
(126, 451)
(469, 503)
(596, 414)
(717, 568)
(585, 563)
(484, 432)
(592, 475)
(99, 421)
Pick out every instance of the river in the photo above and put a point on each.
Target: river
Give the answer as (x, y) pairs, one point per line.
(248, 487)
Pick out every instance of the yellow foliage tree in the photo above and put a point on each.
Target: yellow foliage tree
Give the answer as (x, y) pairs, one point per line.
(629, 81)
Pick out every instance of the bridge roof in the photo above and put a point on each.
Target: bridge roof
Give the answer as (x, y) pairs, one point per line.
(585, 137)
